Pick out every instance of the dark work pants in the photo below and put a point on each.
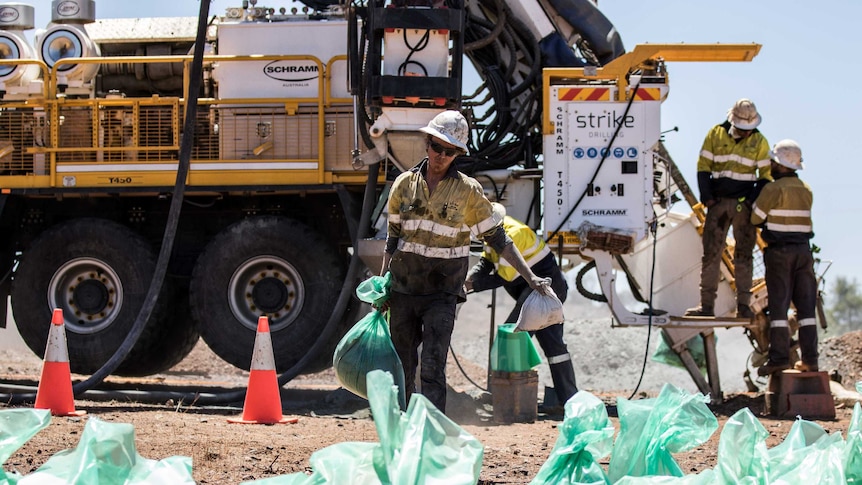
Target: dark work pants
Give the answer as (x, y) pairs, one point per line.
(427, 320)
(719, 218)
(790, 279)
(549, 338)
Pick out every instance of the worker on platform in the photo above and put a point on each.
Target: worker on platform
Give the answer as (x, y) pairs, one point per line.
(783, 210)
(732, 168)
(433, 210)
(493, 272)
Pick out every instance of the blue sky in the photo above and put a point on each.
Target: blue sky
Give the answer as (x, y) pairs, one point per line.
(804, 82)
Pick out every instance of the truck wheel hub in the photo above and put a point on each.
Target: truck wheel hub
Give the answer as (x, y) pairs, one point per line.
(269, 295)
(90, 296)
(268, 285)
(89, 292)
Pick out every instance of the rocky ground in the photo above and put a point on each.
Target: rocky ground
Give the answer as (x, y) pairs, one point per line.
(608, 362)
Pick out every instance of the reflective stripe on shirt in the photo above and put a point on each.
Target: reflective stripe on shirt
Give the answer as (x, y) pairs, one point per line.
(732, 157)
(773, 226)
(432, 227)
(784, 209)
(744, 160)
(434, 252)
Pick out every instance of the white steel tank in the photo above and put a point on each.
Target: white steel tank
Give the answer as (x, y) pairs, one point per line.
(15, 18)
(322, 39)
(66, 38)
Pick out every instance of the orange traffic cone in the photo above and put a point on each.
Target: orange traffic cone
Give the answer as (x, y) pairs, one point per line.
(262, 398)
(55, 386)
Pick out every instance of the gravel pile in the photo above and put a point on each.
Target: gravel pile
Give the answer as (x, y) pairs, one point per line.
(843, 353)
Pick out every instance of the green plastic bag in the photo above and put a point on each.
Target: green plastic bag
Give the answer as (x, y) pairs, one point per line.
(17, 426)
(368, 344)
(853, 447)
(375, 290)
(513, 351)
(586, 435)
(421, 446)
(664, 354)
(742, 453)
(652, 429)
(349, 463)
(106, 453)
(808, 455)
(706, 477)
(366, 347)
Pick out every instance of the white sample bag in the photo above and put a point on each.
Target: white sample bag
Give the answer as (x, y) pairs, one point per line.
(541, 309)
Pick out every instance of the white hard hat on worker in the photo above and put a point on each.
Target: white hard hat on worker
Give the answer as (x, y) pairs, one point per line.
(787, 153)
(450, 127)
(743, 115)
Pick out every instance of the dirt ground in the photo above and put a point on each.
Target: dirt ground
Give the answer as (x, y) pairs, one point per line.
(224, 453)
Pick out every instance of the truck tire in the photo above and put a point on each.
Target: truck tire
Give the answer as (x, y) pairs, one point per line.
(98, 272)
(176, 336)
(270, 266)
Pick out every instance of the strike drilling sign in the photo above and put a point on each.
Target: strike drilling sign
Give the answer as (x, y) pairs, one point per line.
(588, 178)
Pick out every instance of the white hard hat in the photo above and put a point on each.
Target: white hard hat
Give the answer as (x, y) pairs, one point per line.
(787, 153)
(451, 127)
(743, 115)
(499, 211)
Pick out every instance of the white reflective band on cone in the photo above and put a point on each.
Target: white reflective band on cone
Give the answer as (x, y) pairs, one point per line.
(263, 358)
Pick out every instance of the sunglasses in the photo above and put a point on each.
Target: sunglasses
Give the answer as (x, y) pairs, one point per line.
(438, 148)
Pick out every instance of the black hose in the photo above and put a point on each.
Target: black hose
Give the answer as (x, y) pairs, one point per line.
(335, 317)
(170, 227)
(195, 79)
(170, 231)
(464, 371)
(580, 286)
(654, 231)
(495, 32)
(502, 137)
(348, 287)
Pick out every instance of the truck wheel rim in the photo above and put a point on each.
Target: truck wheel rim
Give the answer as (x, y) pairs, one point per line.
(266, 285)
(89, 292)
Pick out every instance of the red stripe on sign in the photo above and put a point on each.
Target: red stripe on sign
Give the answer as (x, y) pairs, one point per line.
(569, 94)
(597, 94)
(646, 94)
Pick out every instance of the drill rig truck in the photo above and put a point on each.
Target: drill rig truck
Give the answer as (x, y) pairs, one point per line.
(302, 117)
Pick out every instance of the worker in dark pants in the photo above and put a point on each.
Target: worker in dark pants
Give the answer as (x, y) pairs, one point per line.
(732, 168)
(783, 210)
(433, 211)
(492, 272)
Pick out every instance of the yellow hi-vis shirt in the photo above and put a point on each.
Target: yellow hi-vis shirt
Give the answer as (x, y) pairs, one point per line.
(784, 210)
(532, 247)
(735, 166)
(433, 231)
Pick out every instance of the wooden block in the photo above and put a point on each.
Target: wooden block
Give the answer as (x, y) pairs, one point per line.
(810, 406)
(795, 382)
(792, 393)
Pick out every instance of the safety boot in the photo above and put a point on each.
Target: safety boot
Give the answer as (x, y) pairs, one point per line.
(803, 367)
(779, 352)
(700, 311)
(808, 348)
(744, 311)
